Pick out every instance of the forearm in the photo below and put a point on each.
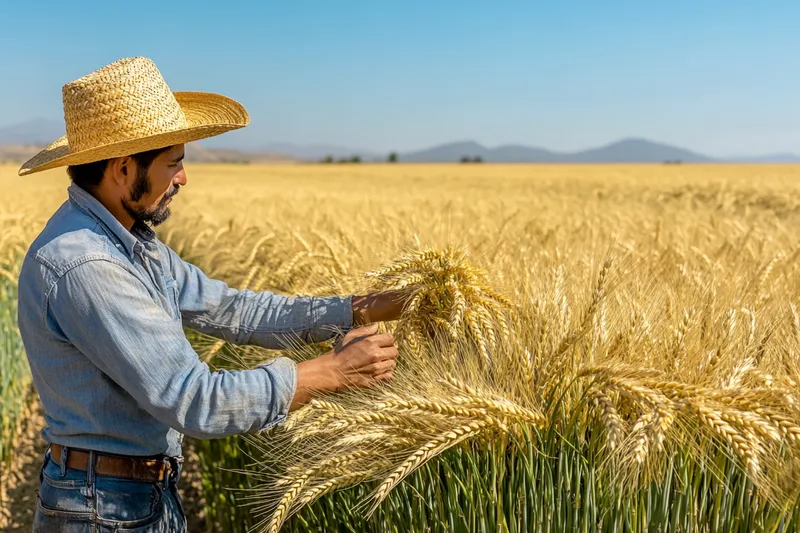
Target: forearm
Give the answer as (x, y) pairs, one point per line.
(378, 307)
(315, 376)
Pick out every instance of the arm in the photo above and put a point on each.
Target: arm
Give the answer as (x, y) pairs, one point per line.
(109, 315)
(378, 307)
(258, 318)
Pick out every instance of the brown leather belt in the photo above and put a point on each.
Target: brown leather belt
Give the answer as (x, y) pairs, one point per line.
(139, 469)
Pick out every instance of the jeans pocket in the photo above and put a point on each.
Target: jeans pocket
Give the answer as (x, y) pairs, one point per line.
(64, 497)
(128, 504)
(56, 521)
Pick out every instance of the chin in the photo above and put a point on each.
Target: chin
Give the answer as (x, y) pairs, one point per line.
(159, 218)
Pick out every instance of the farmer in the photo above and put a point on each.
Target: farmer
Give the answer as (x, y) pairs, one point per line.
(103, 303)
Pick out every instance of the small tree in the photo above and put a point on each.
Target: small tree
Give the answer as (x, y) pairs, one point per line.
(392, 157)
(327, 159)
(351, 159)
(477, 159)
(465, 159)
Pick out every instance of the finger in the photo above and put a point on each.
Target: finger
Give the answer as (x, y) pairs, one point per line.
(388, 353)
(381, 367)
(383, 340)
(380, 354)
(386, 376)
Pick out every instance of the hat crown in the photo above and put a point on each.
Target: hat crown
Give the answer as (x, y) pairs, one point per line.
(125, 100)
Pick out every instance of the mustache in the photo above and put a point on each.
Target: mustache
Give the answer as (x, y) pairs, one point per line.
(172, 192)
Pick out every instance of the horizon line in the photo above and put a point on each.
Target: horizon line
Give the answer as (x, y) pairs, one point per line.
(248, 147)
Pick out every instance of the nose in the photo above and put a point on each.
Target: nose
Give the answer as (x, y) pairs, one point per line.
(179, 178)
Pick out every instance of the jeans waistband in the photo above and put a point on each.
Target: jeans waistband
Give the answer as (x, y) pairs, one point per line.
(172, 466)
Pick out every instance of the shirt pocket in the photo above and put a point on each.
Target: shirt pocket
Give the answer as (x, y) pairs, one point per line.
(172, 298)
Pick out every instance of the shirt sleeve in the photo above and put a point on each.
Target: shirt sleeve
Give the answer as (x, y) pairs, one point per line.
(108, 314)
(258, 318)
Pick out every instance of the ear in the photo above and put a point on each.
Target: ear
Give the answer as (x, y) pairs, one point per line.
(122, 171)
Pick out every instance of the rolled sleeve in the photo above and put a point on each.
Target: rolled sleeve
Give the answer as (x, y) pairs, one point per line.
(282, 372)
(330, 314)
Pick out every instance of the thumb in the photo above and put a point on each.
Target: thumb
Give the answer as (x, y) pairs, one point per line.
(369, 329)
(359, 333)
(356, 334)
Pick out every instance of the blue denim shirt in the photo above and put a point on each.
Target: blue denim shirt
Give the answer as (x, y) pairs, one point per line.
(101, 313)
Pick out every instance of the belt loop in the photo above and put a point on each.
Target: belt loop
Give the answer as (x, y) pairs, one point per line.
(63, 460)
(90, 473)
(167, 475)
(175, 469)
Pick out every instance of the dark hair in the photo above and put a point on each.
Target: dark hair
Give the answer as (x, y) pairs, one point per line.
(89, 175)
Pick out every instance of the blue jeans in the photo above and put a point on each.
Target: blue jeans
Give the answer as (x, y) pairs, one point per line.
(74, 501)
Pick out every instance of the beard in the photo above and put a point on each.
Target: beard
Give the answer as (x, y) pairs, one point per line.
(154, 215)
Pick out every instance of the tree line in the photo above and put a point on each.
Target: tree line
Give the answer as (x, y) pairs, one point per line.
(393, 157)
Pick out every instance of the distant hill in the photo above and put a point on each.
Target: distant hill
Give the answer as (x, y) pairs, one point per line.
(624, 151)
(17, 153)
(36, 132)
(455, 151)
(20, 141)
(194, 154)
(316, 152)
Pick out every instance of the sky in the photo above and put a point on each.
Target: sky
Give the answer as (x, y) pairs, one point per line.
(719, 77)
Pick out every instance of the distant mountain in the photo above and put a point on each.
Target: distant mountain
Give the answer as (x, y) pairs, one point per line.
(19, 141)
(194, 154)
(624, 151)
(315, 152)
(34, 132)
(455, 151)
(636, 151)
(306, 152)
(17, 153)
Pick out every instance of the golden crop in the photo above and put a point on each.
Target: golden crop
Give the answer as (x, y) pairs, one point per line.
(655, 306)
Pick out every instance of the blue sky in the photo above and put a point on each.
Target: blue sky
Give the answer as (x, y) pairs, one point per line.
(721, 77)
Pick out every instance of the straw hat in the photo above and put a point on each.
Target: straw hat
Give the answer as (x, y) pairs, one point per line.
(126, 108)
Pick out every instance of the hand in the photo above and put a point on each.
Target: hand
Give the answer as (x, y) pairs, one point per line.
(361, 359)
(378, 307)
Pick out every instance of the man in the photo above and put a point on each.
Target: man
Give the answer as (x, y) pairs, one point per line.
(103, 303)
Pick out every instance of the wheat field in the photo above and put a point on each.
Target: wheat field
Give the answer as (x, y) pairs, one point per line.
(589, 348)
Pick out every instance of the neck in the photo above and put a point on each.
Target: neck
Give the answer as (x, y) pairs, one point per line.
(114, 205)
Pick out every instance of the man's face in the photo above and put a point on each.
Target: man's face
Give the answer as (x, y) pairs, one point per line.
(152, 190)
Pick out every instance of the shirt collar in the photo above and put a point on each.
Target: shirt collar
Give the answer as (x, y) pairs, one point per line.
(133, 241)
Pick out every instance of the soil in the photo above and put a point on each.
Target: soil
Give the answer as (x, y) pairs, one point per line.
(20, 483)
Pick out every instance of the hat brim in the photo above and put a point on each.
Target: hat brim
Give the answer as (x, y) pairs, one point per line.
(207, 115)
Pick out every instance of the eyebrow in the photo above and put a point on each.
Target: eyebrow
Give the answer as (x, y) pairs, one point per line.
(179, 158)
